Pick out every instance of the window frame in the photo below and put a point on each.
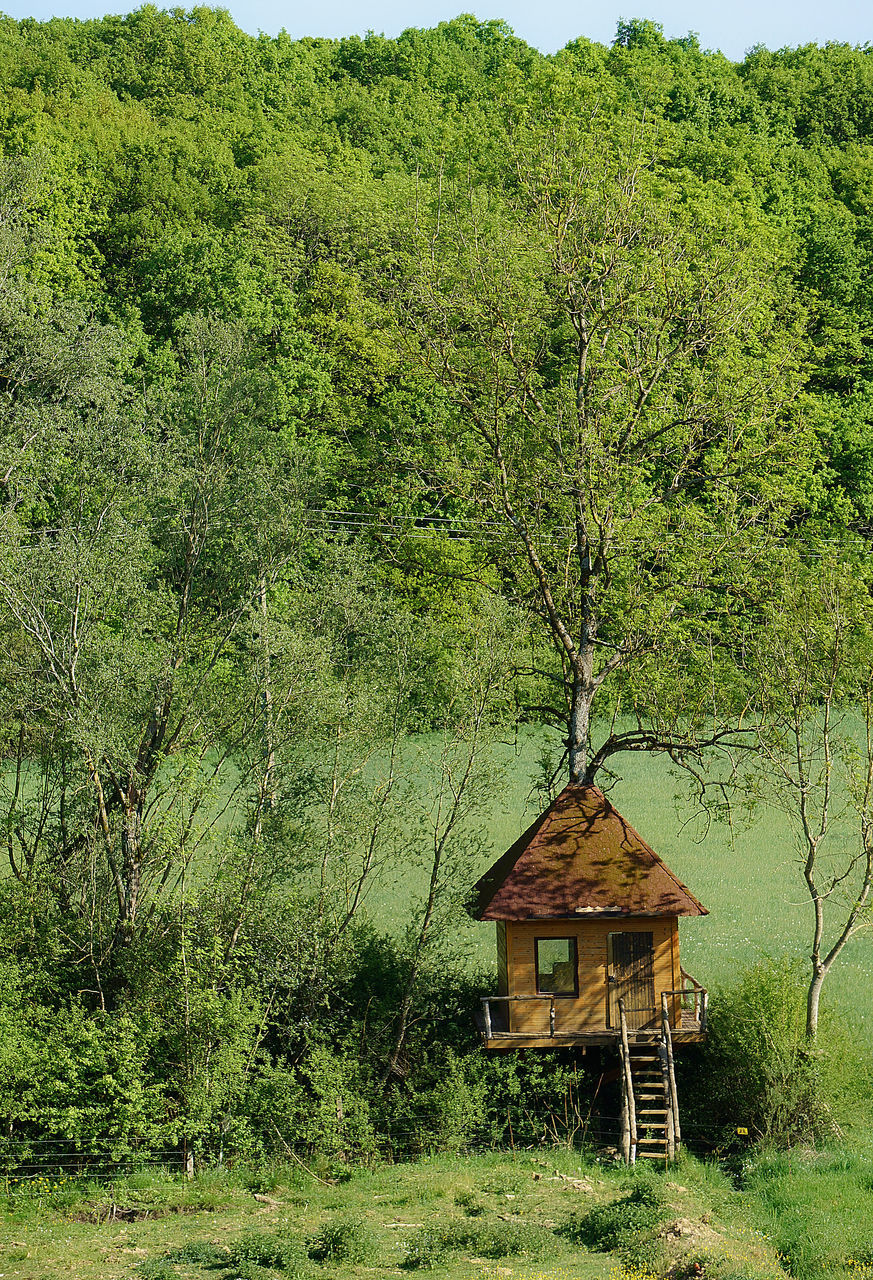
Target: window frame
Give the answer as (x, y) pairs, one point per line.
(574, 943)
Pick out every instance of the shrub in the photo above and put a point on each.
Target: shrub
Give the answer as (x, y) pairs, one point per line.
(758, 1069)
(267, 1249)
(200, 1253)
(442, 1107)
(621, 1225)
(491, 1239)
(470, 1203)
(348, 1238)
(249, 1271)
(155, 1269)
(425, 1251)
(511, 1240)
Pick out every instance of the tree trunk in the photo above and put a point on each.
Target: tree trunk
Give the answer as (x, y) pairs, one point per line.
(131, 859)
(578, 730)
(813, 998)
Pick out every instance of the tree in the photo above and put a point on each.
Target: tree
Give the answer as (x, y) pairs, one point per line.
(621, 353)
(447, 837)
(816, 739)
(138, 537)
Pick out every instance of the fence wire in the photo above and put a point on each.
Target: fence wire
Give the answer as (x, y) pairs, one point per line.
(53, 1162)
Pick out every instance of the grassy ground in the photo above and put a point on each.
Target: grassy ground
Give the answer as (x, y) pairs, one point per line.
(531, 1216)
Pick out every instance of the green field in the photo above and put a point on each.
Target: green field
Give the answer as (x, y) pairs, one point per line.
(475, 1218)
(747, 875)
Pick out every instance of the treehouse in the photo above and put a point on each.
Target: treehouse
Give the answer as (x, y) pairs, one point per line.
(587, 935)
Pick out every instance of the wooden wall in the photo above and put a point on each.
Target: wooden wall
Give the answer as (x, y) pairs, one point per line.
(590, 1010)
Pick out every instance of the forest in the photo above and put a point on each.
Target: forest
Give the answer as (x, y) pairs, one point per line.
(392, 430)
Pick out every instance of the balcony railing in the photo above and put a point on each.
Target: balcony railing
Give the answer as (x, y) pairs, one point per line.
(693, 1002)
(691, 999)
(487, 1002)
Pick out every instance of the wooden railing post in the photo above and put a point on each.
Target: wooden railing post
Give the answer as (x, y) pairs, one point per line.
(624, 1142)
(487, 1007)
(671, 1075)
(629, 1084)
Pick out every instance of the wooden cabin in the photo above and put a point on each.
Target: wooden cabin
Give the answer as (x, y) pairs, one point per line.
(587, 916)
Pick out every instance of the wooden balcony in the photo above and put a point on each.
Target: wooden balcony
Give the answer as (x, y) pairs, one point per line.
(688, 1023)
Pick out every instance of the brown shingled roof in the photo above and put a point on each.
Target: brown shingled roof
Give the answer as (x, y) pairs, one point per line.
(581, 858)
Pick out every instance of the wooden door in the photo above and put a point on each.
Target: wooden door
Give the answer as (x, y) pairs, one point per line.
(631, 976)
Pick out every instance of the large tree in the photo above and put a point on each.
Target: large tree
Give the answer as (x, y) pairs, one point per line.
(142, 530)
(620, 352)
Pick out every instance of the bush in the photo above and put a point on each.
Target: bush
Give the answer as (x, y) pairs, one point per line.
(249, 1271)
(201, 1254)
(470, 1203)
(623, 1226)
(758, 1069)
(441, 1108)
(425, 1251)
(348, 1238)
(511, 1240)
(155, 1269)
(492, 1239)
(266, 1249)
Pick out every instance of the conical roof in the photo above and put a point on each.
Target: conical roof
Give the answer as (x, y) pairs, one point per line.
(581, 858)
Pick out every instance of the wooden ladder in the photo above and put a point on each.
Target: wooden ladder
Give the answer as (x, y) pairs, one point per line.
(650, 1106)
(654, 1113)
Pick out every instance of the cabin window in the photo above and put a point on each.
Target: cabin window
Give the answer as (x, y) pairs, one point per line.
(556, 967)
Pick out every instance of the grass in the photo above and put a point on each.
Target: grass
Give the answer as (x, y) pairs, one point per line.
(449, 1217)
(747, 876)
(817, 1207)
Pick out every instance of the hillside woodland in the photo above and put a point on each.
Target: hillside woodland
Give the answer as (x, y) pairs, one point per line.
(364, 403)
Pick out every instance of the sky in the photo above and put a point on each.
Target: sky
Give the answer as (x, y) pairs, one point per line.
(546, 24)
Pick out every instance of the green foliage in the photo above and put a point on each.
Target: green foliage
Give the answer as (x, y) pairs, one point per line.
(625, 1226)
(199, 1253)
(425, 1251)
(155, 1269)
(246, 549)
(347, 1238)
(488, 1238)
(758, 1070)
(511, 1240)
(267, 1249)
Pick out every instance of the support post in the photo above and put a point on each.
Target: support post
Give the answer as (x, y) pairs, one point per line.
(486, 1004)
(629, 1083)
(624, 1144)
(671, 1074)
(670, 1129)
